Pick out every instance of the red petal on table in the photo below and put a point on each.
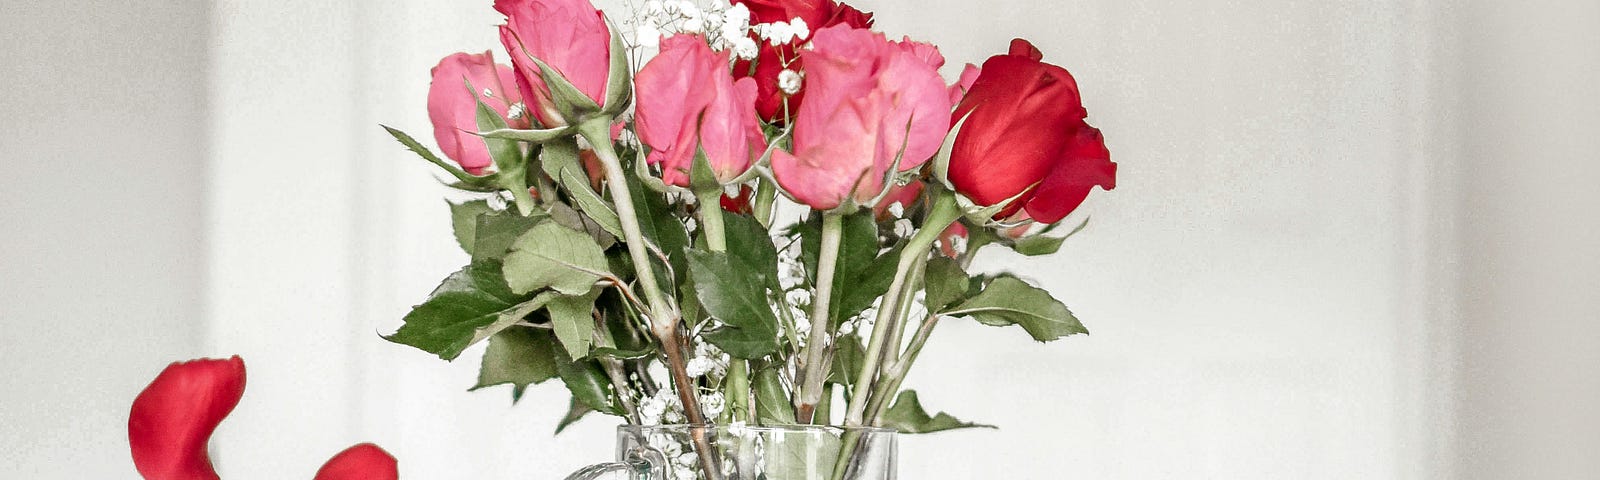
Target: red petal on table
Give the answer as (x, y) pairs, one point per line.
(172, 419)
(361, 462)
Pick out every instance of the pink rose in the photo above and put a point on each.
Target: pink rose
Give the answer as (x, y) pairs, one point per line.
(863, 92)
(568, 35)
(453, 107)
(687, 100)
(959, 89)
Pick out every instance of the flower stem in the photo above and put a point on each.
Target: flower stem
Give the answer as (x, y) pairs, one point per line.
(766, 192)
(663, 320)
(943, 212)
(816, 358)
(711, 225)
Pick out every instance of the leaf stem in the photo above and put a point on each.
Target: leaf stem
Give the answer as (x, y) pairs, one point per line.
(809, 392)
(896, 373)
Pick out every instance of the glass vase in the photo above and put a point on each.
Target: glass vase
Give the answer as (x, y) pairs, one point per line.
(798, 452)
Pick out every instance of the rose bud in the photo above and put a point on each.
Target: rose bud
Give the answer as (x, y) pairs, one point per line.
(453, 107)
(570, 36)
(172, 420)
(772, 60)
(865, 92)
(360, 462)
(688, 102)
(1025, 136)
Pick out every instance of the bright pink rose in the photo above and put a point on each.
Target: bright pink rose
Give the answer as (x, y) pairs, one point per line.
(864, 93)
(959, 89)
(687, 99)
(771, 61)
(453, 107)
(361, 462)
(171, 421)
(1026, 137)
(568, 35)
(170, 426)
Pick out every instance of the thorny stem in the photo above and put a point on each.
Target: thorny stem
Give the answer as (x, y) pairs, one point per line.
(897, 371)
(663, 321)
(809, 390)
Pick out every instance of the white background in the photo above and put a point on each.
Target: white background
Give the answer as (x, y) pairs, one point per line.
(1350, 240)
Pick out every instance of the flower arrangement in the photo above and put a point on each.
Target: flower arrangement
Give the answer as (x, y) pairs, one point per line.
(749, 213)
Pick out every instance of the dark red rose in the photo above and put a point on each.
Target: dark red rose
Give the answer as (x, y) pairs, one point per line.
(818, 14)
(1026, 136)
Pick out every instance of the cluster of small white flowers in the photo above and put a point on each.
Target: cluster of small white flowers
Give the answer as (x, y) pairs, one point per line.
(516, 111)
(661, 408)
(724, 26)
(708, 361)
(860, 324)
(779, 33)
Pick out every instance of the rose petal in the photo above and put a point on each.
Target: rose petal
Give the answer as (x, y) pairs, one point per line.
(360, 462)
(171, 421)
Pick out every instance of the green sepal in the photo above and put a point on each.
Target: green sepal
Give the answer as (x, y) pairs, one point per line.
(908, 416)
(468, 181)
(619, 80)
(1041, 244)
(941, 160)
(529, 136)
(573, 103)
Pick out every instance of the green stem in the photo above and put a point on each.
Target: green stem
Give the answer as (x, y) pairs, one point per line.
(816, 370)
(663, 320)
(897, 372)
(766, 193)
(711, 226)
(515, 180)
(943, 212)
(898, 322)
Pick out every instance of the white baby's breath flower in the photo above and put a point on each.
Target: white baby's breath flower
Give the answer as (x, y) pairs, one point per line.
(699, 366)
(687, 9)
(897, 209)
(671, 7)
(712, 404)
(738, 16)
(516, 111)
(903, 228)
(693, 25)
(789, 81)
(799, 28)
(745, 48)
(648, 36)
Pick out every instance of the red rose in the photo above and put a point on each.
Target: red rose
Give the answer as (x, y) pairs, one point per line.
(818, 14)
(1026, 136)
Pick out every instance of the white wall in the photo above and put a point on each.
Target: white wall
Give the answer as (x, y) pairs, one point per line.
(102, 143)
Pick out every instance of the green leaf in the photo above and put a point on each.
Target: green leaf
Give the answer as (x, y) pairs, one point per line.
(908, 416)
(469, 306)
(660, 226)
(553, 256)
(496, 231)
(751, 247)
(1008, 300)
(573, 319)
(587, 382)
(848, 358)
(946, 283)
(518, 356)
(736, 295)
(575, 412)
(853, 295)
(772, 404)
(464, 222)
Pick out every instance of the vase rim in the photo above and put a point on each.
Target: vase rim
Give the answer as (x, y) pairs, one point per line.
(753, 428)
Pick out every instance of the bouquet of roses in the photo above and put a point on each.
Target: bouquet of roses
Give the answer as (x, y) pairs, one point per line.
(752, 213)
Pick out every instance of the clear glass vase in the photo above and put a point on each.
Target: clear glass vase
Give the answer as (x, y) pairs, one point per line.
(799, 452)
